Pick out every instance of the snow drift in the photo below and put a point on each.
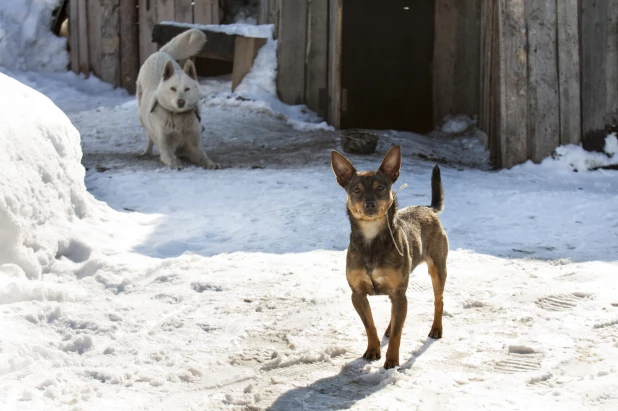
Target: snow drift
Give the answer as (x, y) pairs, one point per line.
(26, 42)
(41, 179)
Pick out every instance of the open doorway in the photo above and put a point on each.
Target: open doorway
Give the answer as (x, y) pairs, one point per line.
(386, 57)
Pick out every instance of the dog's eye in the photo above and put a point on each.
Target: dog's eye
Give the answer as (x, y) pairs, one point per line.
(380, 188)
(356, 190)
(187, 89)
(173, 88)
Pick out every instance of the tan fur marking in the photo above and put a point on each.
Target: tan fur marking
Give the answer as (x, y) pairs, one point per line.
(359, 281)
(437, 281)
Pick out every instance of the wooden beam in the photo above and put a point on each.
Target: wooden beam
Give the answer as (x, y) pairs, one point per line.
(568, 71)
(543, 88)
(593, 20)
(291, 51)
(513, 83)
(94, 36)
(129, 45)
(147, 20)
(317, 57)
(445, 53)
(334, 62)
(245, 52)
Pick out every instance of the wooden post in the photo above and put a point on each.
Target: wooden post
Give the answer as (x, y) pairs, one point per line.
(334, 62)
(513, 83)
(245, 52)
(74, 34)
(83, 34)
(291, 51)
(317, 53)
(543, 90)
(593, 20)
(129, 45)
(489, 114)
(568, 73)
(445, 43)
(611, 64)
(110, 42)
(147, 20)
(94, 36)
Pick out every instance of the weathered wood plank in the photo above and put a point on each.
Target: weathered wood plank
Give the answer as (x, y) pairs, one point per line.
(594, 19)
(147, 20)
(488, 114)
(129, 45)
(611, 64)
(317, 56)
(445, 55)
(568, 73)
(543, 89)
(216, 15)
(513, 83)
(83, 32)
(164, 9)
(110, 42)
(183, 11)
(334, 62)
(291, 51)
(245, 52)
(202, 11)
(74, 35)
(456, 58)
(94, 36)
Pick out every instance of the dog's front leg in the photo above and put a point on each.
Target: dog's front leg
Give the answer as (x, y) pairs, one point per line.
(361, 304)
(399, 311)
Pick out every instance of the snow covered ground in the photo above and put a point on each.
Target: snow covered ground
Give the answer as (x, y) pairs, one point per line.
(225, 289)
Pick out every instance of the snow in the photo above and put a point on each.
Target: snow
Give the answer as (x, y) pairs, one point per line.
(25, 41)
(131, 286)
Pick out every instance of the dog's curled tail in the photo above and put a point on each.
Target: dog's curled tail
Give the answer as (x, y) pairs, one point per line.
(437, 192)
(186, 44)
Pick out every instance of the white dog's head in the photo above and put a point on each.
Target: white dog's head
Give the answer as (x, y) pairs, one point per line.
(178, 91)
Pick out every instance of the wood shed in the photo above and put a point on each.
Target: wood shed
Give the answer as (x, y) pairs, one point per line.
(535, 73)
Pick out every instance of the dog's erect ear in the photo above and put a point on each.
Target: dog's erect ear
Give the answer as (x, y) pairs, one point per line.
(168, 70)
(392, 163)
(190, 70)
(343, 169)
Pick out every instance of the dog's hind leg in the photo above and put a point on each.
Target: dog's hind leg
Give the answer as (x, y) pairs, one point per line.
(148, 149)
(437, 271)
(399, 311)
(361, 304)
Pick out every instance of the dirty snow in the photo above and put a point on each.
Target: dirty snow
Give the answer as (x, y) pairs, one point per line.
(225, 290)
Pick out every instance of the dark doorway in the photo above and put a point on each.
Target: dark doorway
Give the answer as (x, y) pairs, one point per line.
(387, 51)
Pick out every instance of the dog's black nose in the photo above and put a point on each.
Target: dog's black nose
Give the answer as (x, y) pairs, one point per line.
(370, 205)
(181, 103)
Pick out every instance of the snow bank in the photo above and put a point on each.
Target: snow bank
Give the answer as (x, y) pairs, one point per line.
(41, 179)
(26, 42)
(573, 157)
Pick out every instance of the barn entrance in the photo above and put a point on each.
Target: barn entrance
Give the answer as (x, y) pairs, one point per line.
(386, 57)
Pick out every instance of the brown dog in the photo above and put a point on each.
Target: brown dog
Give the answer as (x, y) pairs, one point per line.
(386, 245)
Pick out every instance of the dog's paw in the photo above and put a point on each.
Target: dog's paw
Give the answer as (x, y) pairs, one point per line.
(435, 333)
(176, 165)
(372, 354)
(211, 166)
(391, 363)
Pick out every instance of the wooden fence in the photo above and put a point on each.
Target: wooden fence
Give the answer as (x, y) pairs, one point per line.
(112, 38)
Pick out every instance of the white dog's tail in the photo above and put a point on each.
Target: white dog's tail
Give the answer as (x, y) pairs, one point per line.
(185, 45)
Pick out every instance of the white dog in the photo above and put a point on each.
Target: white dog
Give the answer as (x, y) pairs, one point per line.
(167, 102)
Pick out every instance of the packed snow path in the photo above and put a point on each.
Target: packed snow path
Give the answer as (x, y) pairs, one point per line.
(226, 289)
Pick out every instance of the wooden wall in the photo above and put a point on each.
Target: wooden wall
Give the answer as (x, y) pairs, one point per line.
(557, 75)
(112, 38)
